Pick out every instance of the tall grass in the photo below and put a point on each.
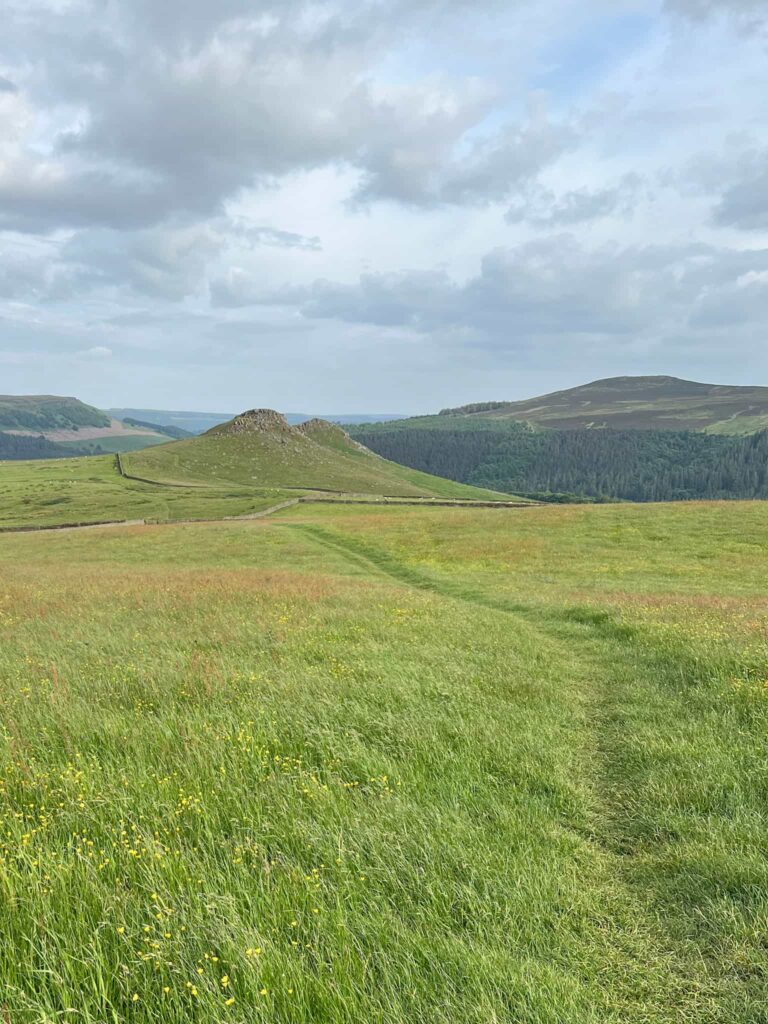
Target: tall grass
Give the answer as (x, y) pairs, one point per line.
(301, 771)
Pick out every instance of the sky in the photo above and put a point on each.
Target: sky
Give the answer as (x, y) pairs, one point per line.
(379, 205)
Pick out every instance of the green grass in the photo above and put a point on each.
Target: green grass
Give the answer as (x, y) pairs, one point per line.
(740, 425)
(90, 489)
(289, 459)
(391, 765)
(126, 443)
(46, 493)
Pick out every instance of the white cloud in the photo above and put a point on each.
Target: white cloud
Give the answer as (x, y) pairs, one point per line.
(96, 352)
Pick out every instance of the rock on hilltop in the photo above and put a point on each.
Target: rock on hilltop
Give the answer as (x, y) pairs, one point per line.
(255, 421)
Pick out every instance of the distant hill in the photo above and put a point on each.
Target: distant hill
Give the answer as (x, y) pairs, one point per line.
(636, 403)
(199, 422)
(175, 433)
(74, 428)
(43, 413)
(192, 422)
(260, 448)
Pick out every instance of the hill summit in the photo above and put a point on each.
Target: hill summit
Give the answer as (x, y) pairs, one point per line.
(254, 421)
(637, 403)
(259, 448)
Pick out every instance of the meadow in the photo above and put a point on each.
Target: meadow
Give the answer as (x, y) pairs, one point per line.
(48, 493)
(80, 491)
(351, 764)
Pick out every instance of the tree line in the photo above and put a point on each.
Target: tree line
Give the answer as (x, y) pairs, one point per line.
(630, 465)
(23, 446)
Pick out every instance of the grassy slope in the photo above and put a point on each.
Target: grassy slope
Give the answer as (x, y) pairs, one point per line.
(394, 766)
(47, 412)
(650, 403)
(120, 443)
(264, 459)
(87, 490)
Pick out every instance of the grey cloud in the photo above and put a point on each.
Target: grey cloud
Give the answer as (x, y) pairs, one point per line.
(6, 85)
(237, 288)
(749, 13)
(542, 208)
(136, 318)
(186, 23)
(417, 299)
(705, 8)
(233, 95)
(552, 288)
(34, 277)
(165, 264)
(744, 204)
(427, 173)
(33, 199)
(152, 318)
(245, 330)
(740, 302)
(736, 179)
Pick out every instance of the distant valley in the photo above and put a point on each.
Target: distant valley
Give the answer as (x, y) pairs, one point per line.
(619, 439)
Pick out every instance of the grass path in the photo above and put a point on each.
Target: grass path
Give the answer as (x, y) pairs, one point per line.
(646, 719)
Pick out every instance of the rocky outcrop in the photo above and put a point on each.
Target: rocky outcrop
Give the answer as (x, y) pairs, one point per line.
(256, 421)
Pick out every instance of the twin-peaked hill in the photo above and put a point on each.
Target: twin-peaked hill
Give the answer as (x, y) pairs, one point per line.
(260, 449)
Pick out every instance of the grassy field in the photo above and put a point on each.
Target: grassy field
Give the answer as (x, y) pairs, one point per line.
(388, 765)
(125, 443)
(49, 493)
(87, 490)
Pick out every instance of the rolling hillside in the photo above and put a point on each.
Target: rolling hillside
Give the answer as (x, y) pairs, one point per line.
(636, 403)
(172, 432)
(73, 426)
(43, 414)
(260, 449)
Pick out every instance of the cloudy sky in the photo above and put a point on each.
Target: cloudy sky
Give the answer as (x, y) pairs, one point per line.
(382, 205)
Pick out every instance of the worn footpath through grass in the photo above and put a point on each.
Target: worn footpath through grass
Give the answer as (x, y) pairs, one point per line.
(300, 771)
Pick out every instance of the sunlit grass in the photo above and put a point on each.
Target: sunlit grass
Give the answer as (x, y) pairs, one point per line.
(91, 490)
(387, 765)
